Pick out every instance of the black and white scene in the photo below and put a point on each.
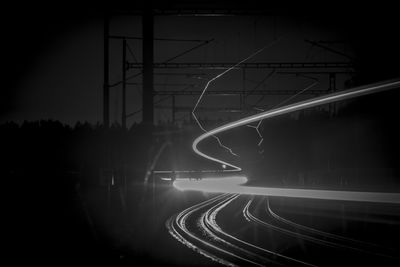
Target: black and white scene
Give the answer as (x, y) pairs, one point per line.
(200, 133)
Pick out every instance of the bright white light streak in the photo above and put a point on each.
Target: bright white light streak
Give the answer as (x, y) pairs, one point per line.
(326, 99)
(227, 185)
(206, 183)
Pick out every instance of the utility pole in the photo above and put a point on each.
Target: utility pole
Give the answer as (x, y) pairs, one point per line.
(106, 88)
(148, 59)
(123, 119)
(173, 109)
(243, 94)
(332, 89)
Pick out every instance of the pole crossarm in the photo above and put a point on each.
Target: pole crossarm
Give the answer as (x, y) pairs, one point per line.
(327, 72)
(126, 37)
(188, 109)
(236, 92)
(257, 65)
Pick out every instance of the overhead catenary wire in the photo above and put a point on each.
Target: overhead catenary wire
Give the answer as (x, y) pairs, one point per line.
(215, 78)
(166, 61)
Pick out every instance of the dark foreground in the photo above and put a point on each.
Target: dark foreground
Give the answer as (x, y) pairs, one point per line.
(127, 226)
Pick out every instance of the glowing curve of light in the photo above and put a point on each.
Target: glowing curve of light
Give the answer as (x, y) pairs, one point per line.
(286, 192)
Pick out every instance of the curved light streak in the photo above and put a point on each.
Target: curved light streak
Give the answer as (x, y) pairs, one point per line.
(220, 187)
(177, 226)
(228, 183)
(326, 99)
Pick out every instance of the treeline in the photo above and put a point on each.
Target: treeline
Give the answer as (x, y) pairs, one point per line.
(50, 146)
(52, 189)
(356, 147)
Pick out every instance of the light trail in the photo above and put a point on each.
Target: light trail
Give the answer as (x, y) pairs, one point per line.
(225, 182)
(226, 186)
(330, 98)
(290, 192)
(218, 245)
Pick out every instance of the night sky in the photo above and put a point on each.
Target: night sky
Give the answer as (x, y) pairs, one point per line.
(54, 62)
